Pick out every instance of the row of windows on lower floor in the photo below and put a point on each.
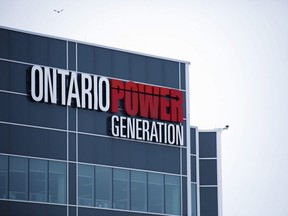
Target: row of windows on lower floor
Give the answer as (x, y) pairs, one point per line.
(103, 187)
(32, 179)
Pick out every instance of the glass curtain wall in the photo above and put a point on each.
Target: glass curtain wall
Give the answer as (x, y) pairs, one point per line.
(3, 176)
(38, 184)
(138, 191)
(106, 187)
(32, 179)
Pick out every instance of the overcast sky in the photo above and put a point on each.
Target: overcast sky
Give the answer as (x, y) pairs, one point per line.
(238, 74)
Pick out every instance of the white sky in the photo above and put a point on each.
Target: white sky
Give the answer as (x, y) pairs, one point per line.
(238, 75)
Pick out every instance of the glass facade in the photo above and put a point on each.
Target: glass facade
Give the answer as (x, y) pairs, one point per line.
(103, 185)
(172, 195)
(128, 190)
(29, 179)
(3, 177)
(121, 190)
(86, 185)
(18, 178)
(194, 199)
(155, 193)
(138, 191)
(208, 175)
(38, 180)
(62, 160)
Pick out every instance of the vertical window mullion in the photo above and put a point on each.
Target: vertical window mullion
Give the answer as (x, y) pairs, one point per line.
(129, 188)
(112, 186)
(95, 189)
(164, 194)
(8, 173)
(5, 160)
(28, 179)
(48, 192)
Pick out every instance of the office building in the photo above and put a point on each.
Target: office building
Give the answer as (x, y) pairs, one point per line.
(93, 130)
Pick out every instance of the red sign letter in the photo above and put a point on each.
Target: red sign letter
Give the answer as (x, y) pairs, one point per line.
(117, 93)
(176, 106)
(131, 99)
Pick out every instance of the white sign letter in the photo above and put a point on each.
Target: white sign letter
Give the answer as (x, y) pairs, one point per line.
(86, 87)
(50, 85)
(103, 107)
(37, 69)
(63, 74)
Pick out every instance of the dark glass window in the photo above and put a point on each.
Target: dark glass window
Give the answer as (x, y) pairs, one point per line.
(121, 189)
(33, 49)
(120, 65)
(18, 46)
(128, 153)
(57, 182)
(184, 195)
(170, 74)
(72, 183)
(184, 161)
(14, 77)
(138, 191)
(3, 176)
(138, 68)
(94, 122)
(184, 104)
(172, 195)
(49, 116)
(208, 201)
(183, 76)
(72, 147)
(86, 185)
(85, 58)
(208, 172)
(29, 179)
(193, 168)
(71, 56)
(193, 140)
(207, 144)
(103, 187)
(155, 71)
(103, 61)
(129, 190)
(38, 180)
(18, 178)
(38, 142)
(155, 193)
(194, 199)
(4, 43)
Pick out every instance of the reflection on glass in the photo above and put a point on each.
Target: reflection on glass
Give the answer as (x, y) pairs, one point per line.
(86, 185)
(18, 178)
(138, 191)
(3, 176)
(155, 193)
(57, 182)
(103, 187)
(38, 183)
(172, 195)
(120, 189)
(194, 199)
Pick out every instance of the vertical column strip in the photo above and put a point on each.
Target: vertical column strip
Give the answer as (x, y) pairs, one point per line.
(76, 65)
(179, 75)
(197, 173)
(219, 173)
(180, 149)
(67, 141)
(189, 211)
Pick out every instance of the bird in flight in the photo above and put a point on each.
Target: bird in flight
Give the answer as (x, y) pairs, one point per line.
(58, 11)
